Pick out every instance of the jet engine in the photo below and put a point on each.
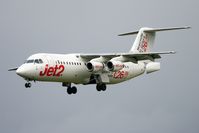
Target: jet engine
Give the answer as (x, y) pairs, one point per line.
(95, 66)
(152, 67)
(115, 65)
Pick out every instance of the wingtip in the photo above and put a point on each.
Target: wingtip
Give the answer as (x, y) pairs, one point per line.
(172, 52)
(188, 27)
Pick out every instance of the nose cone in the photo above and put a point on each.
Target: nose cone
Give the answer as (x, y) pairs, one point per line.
(22, 71)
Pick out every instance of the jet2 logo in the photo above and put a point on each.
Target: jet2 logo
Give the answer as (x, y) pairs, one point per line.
(120, 74)
(143, 43)
(57, 71)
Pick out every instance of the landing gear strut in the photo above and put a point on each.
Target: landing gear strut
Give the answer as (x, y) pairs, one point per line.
(70, 90)
(101, 87)
(28, 85)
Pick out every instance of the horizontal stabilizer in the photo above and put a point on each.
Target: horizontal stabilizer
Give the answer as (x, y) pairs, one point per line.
(154, 30)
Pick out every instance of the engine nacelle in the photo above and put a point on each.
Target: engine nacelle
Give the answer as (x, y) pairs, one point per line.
(95, 66)
(152, 67)
(115, 65)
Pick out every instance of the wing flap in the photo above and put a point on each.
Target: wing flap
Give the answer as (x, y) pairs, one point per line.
(147, 55)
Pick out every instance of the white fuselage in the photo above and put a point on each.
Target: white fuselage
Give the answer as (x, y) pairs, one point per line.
(99, 69)
(71, 68)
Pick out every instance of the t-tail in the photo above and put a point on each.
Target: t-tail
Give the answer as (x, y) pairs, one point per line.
(146, 37)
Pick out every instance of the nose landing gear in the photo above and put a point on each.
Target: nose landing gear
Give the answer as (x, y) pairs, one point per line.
(28, 85)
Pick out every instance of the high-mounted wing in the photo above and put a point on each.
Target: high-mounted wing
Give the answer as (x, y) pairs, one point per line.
(133, 56)
(107, 57)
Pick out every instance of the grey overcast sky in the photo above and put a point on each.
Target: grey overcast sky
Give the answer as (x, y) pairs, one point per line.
(163, 102)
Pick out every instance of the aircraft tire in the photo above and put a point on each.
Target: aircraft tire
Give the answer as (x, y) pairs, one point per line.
(27, 85)
(69, 90)
(103, 87)
(98, 88)
(74, 90)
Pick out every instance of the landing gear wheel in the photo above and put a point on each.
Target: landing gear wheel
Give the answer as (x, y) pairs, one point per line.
(28, 85)
(101, 87)
(98, 87)
(71, 90)
(74, 90)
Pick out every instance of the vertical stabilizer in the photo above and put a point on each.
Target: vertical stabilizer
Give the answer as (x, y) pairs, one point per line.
(144, 41)
(146, 37)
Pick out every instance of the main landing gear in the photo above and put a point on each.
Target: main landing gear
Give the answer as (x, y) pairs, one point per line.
(101, 87)
(73, 89)
(70, 90)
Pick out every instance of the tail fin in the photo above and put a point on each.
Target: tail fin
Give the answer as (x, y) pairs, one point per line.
(144, 41)
(145, 38)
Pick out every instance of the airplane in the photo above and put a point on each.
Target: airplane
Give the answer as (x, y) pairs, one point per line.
(100, 69)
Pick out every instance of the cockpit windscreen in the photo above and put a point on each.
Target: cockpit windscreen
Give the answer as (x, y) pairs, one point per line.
(37, 61)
